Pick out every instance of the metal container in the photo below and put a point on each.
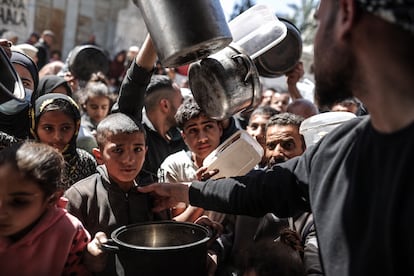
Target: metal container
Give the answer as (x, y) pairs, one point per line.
(283, 57)
(225, 83)
(85, 60)
(161, 248)
(11, 86)
(184, 31)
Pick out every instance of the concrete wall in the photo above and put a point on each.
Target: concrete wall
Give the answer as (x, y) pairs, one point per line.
(116, 24)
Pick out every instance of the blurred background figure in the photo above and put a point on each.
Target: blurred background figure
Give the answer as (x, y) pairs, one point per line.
(303, 108)
(33, 38)
(11, 36)
(131, 54)
(267, 95)
(350, 105)
(43, 47)
(117, 70)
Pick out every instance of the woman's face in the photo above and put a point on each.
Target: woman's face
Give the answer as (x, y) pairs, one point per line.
(22, 202)
(25, 76)
(56, 129)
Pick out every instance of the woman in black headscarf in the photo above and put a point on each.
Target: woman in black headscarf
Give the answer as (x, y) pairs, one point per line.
(55, 120)
(52, 84)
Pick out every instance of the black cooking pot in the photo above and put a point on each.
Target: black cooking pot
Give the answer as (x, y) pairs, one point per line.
(84, 60)
(284, 56)
(161, 248)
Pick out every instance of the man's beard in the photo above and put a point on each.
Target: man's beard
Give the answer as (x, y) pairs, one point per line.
(333, 88)
(335, 72)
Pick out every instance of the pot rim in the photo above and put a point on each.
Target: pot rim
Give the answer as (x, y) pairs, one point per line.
(118, 231)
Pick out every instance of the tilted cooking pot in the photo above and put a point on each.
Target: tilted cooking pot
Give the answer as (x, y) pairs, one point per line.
(11, 86)
(84, 60)
(161, 248)
(225, 83)
(184, 31)
(282, 57)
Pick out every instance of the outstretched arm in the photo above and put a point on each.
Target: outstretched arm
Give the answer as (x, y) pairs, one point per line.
(132, 91)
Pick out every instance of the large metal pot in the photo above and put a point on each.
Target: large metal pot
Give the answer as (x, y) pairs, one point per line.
(161, 248)
(84, 60)
(225, 83)
(282, 57)
(184, 31)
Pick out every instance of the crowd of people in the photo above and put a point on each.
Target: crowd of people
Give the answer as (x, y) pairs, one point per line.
(81, 158)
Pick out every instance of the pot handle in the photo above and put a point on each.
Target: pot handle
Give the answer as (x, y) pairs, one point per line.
(109, 246)
(248, 63)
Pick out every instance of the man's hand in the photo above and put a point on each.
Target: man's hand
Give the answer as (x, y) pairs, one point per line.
(166, 195)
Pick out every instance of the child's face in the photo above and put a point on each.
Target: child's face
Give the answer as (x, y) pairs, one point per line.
(123, 156)
(202, 135)
(22, 202)
(97, 108)
(56, 129)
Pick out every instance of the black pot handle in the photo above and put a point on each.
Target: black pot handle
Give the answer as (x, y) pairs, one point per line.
(109, 246)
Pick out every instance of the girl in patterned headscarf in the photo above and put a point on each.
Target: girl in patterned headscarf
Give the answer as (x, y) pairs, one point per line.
(55, 120)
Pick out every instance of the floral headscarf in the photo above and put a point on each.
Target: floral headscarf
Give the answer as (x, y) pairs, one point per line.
(63, 103)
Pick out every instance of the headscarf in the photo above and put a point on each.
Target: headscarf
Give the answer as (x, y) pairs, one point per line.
(48, 83)
(73, 111)
(16, 123)
(400, 12)
(25, 61)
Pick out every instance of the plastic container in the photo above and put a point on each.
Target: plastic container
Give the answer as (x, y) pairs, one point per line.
(236, 156)
(317, 126)
(257, 30)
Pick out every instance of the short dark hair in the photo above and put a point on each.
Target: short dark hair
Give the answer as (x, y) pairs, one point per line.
(159, 84)
(188, 110)
(264, 110)
(38, 162)
(114, 124)
(285, 119)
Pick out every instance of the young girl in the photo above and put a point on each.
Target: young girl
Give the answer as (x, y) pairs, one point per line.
(55, 120)
(96, 100)
(37, 236)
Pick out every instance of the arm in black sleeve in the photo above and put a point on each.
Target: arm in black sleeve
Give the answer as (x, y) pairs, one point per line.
(275, 191)
(132, 92)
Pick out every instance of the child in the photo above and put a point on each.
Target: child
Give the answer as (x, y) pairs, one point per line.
(37, 235)
(96, 101)
(51, 84)
(55, 120)
(109, 199)
(202, 135)
(282, 257)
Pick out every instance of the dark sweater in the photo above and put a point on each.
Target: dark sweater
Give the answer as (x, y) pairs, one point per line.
(358, 183)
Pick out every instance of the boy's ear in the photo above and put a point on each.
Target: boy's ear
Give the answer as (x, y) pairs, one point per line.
(98, 156)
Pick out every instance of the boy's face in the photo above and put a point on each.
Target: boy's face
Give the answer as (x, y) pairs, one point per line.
(202, 135)
(123, 156)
